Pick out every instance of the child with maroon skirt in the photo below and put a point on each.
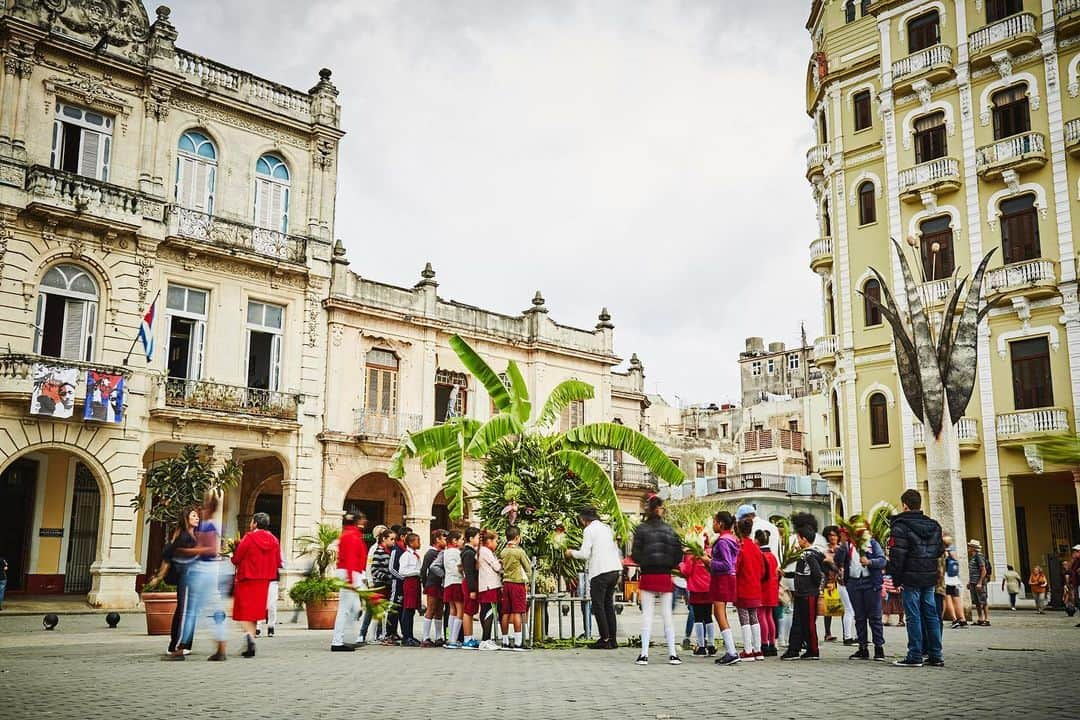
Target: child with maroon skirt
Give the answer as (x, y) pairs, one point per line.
(657, 550)
(489, 573)
(470, 587)
(409, 569)
(725, 551)
(452, 588)
(696, 572)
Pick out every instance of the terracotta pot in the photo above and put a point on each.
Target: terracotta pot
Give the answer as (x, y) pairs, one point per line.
(321, 614)
(159, 607)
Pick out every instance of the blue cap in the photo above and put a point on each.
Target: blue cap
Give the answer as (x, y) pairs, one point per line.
(745, 510)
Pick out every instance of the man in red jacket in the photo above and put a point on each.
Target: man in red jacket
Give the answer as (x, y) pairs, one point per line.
(351, 563)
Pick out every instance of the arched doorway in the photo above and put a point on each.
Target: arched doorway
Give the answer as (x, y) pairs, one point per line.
(260, 491)
(50, 522)
(840, 507)
(382, 499)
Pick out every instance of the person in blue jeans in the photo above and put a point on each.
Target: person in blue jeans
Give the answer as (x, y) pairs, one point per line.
(202, 578)
(915, 546)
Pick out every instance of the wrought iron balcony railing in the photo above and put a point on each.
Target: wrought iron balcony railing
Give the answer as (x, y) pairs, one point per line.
(229, 234)
(218, 397)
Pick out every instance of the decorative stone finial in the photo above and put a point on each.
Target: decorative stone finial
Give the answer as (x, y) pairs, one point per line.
(635, 363)
(605, 320)
(325, 73)
(339, 249)
(538, 300)
(428, 272)
(163, 12)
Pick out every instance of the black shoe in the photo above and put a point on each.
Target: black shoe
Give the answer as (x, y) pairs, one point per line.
(250, 651)
(860, 654)
(258, 632)
(769, 651)
(879, 653)
(790, 655)
(909, 662)
(727, 659)
(809, 656)
(642, 660)
(851, 641)
(936, 662)
(269, 632)
(598, 645)
(701, 651)
(711, 649)
(612, 644)
(674, 660)
(342, 648)
(217, 657)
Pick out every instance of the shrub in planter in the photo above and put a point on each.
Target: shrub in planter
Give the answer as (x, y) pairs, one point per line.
(159, 604)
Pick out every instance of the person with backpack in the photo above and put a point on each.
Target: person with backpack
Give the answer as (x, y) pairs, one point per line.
(432, 573)
(369, 575)
(915, 546)
(978, 577)
(861, 560)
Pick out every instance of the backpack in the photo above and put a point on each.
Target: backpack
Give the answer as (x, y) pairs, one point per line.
(437, 569)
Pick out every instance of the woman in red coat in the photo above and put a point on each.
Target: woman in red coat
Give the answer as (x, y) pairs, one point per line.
(749, 569)
(257, 559)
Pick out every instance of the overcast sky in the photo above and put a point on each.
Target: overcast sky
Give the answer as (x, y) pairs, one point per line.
(645, 156)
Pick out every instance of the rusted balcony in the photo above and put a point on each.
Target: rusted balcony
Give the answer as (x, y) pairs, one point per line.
(1015, 34)
(86, 200)
(939, 176)
(1019, 153)
(967, 433)
(815, 160)
(17, 375)
(1023, 426)
(185, 400)
(232, 238)
(379, 427)
(821, 254)
(1031, 278)
(825, 350)
(934, 64)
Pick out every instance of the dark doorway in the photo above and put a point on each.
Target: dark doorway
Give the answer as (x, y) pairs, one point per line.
(271, 505)
(441, 514)
(259, 352)
(83, 531)
(181, 332)
(374, 510)
(17, 486)
(1022, 546)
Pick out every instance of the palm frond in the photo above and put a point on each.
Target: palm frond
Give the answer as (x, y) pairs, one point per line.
(476, 365)
(1061, 449)
(593, 475)
(519, 393)
(566, 392)
(427, 444)
(878, 519)
(789, 547)
(454, 457)
(614, 436)
(500, 426)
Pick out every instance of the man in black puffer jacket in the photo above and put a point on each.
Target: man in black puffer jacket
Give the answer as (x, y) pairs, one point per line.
(658, 551)
(915, 545)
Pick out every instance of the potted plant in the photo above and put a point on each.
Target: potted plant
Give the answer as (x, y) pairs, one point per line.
(173, 486)
(317, 593)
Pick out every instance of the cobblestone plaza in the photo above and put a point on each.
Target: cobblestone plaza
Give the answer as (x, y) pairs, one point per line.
(1023, 663)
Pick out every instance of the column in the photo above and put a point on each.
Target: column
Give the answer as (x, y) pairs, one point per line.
(288, 532)
(1076, 487)
(1011, 551)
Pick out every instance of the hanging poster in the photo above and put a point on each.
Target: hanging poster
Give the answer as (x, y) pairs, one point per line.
(54, 390)
(104, 397)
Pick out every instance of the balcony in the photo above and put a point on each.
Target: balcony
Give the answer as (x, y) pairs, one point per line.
(631, 476)
(86, 200)
(1072, 134)
(747, 484)
(830, 462)
(821, 254)
(825, 350)
(772, 441)
(1067, 14)
(380, 427)
(243, 86)
(936, 292)
(17, 376)
(967, 432)
(934, 64)
(1031, 278)
(815, 160)
(1019, 153)
(231, 238)
(941, 175)
(1017, 428)
(185, 400)
(1015, 34)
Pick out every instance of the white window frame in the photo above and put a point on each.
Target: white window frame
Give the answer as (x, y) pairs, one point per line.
(793, 361)
(389, 374)
(277, 334)
(197, 357)
(265, 187)
(88, 321)
(200, 199)
(755, 368)
(96, 167)
(770, 366)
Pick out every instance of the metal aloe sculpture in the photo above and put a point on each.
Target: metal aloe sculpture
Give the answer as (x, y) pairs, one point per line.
(565, 453)
(937, 372)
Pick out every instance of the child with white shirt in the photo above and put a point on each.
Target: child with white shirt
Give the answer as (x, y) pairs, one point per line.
(452, 588)
(490, 578)
(409, 569)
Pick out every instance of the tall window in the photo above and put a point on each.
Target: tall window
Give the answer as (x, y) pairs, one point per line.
(872, 313)
(867, 203)
(849, 11)
(1032, 386)
(66, 313)
(999, 9)
(930, 141)
(879, 420)
(770, 366)
(793, 361)
(1012, 115)
(186, 308)
(265, 325)
(196, 172)
(81, 141)
(755, 368)
(830, 306)
(572, 416)
(861, 105)
(382, 382)
(826, 220)
(836, 420)
(1020, 229)
(451, 395)
(272, 193)
(923, 32)
(864, 9)
(937, 248)
(823, 128)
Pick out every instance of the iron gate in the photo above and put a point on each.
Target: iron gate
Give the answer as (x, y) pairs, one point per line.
(82, 537)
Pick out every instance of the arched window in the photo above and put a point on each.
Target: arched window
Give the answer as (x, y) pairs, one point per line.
(382, 387)
(867, 203)
(936, 246)
(879, 419)
(849, 11)
(1020, 229)
(66, 313)
(451, 395)
(272, 193)
(196, 172)
(930, 143)
(1012, 115)
(872, 289)
(923, 32)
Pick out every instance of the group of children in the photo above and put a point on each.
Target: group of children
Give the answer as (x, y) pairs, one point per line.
(461, 575)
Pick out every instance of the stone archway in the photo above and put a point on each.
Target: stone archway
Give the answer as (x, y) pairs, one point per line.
(381, 498)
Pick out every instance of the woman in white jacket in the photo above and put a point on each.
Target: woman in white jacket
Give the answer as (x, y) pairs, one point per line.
(490, 572)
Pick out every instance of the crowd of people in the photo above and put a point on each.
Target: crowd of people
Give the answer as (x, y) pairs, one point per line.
(471, 586)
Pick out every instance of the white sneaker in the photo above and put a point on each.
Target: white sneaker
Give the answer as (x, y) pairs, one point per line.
(489, 645)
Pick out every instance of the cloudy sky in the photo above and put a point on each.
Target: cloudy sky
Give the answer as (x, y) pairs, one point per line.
(641, 155)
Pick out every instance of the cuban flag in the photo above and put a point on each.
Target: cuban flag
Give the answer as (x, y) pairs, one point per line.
(146, 331)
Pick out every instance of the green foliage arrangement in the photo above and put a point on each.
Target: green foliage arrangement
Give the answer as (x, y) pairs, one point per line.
(180, 483)
(158, 587)
(320, 547)
(314, 589)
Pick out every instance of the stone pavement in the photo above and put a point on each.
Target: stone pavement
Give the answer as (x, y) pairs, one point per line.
(1025, 664)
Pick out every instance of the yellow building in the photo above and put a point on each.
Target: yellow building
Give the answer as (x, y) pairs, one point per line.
(957, 124)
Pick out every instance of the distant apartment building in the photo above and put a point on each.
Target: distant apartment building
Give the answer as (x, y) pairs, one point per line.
(776, 371)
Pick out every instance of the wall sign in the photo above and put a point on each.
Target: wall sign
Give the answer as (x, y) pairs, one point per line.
(51, 532)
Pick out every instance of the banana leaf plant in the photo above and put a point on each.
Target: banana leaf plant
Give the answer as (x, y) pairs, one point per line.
(460, 439)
